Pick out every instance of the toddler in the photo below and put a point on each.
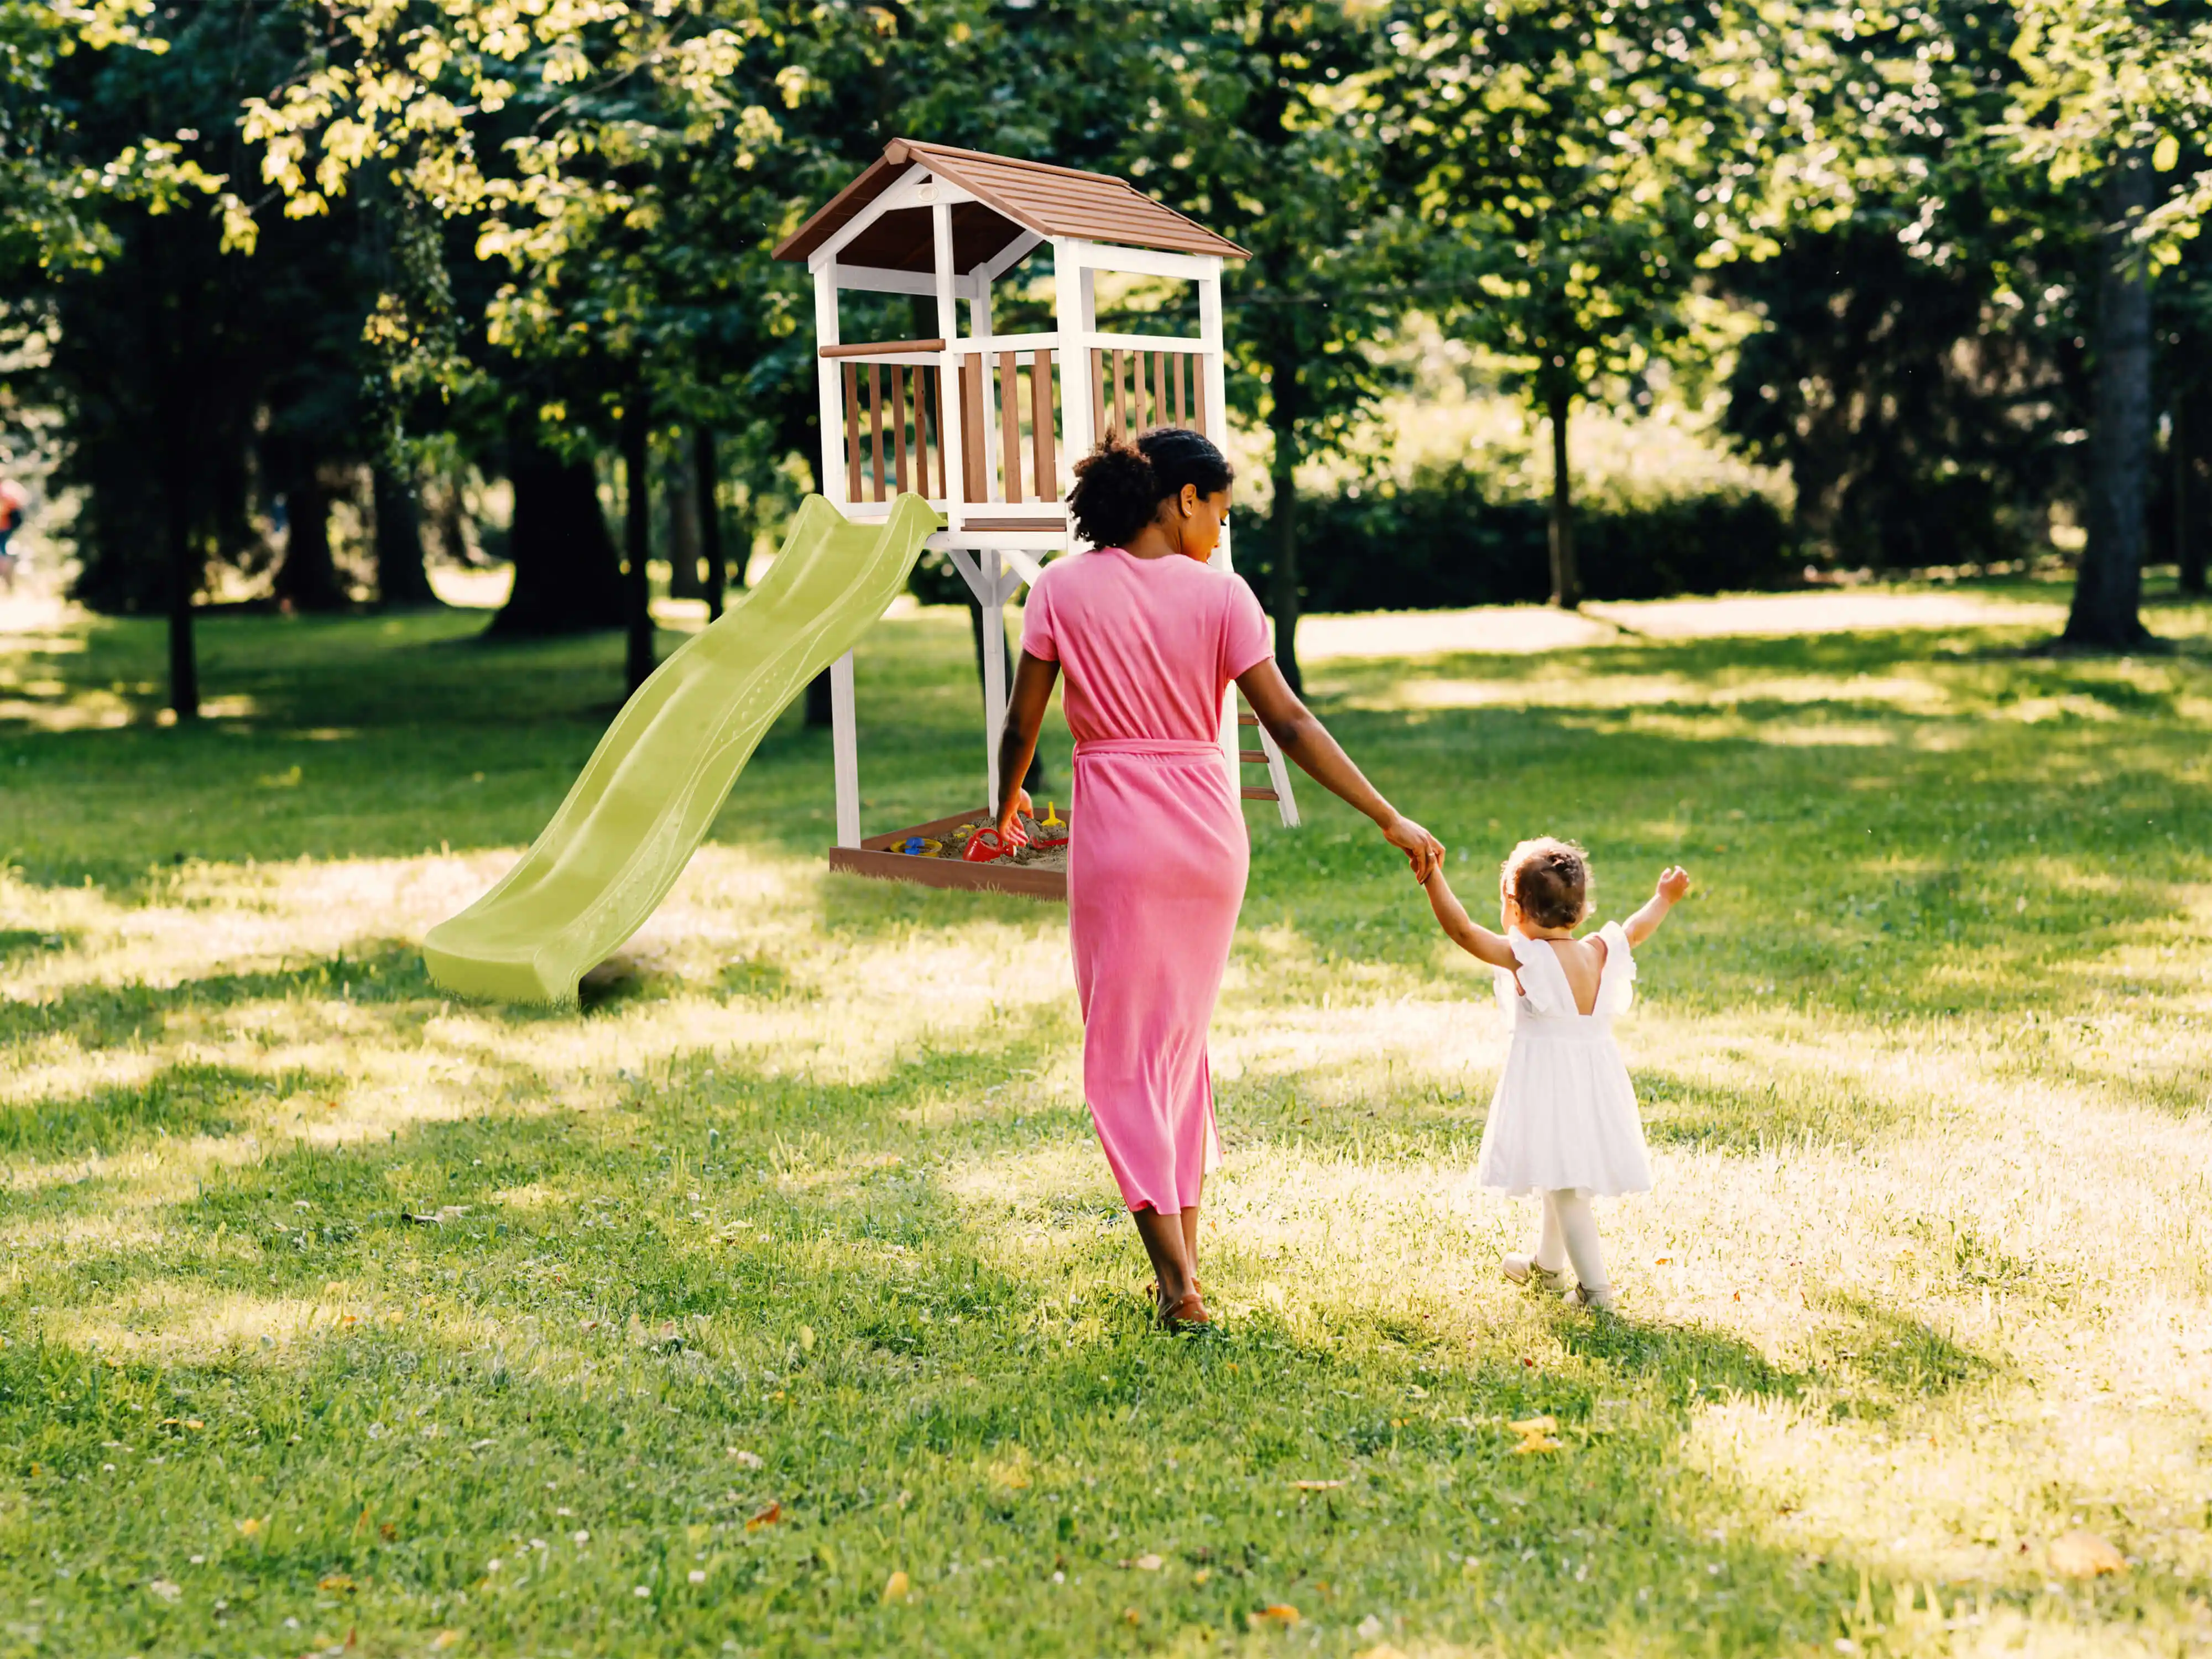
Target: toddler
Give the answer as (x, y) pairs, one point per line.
(1564, 1123)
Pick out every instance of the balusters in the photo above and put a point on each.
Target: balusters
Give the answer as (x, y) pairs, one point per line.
(1045, 462)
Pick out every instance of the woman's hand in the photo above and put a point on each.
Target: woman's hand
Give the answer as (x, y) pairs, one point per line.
(1010, 829)
(1423, 851)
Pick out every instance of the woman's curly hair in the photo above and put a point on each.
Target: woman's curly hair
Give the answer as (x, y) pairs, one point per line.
(1120, 485)
(1550, 880)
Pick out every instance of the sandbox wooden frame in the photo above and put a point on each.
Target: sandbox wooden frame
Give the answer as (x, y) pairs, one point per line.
(873, 857)
(934, 222)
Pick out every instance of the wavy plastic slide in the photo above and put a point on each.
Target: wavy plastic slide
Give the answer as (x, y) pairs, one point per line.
(653, 786)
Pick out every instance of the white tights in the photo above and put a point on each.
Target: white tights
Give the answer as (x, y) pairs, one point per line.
(1569, 1234)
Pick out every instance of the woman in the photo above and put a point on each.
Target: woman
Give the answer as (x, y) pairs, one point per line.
(1149, 639)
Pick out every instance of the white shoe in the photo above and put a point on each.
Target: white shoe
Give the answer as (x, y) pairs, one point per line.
(1522, 1268)
(1602, 1299)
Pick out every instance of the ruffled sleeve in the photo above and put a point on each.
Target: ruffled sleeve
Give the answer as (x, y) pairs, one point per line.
(1616, 987)
(1543, 981)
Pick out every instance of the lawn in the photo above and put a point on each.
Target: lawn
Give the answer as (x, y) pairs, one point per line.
(779, 1302)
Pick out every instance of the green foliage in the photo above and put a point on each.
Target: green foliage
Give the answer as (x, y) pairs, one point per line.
(1446, 538)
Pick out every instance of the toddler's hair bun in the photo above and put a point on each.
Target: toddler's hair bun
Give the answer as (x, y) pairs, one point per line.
(1549, 880)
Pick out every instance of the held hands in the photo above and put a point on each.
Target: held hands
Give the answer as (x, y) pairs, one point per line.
(1423, 851)
(1674, 884)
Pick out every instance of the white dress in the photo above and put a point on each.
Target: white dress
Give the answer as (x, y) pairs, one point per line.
(1564, 1114)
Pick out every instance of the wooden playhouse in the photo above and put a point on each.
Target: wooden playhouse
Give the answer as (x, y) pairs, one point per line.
(946, 225)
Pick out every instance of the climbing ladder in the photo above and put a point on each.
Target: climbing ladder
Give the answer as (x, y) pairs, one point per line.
(1278, 788)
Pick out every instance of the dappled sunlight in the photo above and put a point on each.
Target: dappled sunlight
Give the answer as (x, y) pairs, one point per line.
(803, 1207)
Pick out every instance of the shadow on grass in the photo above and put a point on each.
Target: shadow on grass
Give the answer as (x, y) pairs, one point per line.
(1701, 1115)
(187, 1099)
(95, 1015)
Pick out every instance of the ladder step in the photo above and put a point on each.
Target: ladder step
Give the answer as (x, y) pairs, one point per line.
(1259, 794)
(1248, 719)
(1253, 756)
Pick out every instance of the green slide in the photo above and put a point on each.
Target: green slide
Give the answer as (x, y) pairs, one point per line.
(645, 798)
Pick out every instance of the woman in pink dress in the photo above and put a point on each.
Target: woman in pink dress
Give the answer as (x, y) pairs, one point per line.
(1149, 639)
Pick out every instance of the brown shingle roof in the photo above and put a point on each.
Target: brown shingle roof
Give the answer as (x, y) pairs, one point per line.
(1012, 196)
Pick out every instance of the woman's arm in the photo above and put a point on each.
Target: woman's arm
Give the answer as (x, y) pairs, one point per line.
(1470, 935)
(1018, 739)
(1674, 882)
(1307, 741)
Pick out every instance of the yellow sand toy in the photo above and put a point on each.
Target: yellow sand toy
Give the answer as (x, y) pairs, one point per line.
(646, 796)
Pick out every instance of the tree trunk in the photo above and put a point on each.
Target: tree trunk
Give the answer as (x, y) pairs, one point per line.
(2108, 590)
(567, 578)
(1283, 517)
(706, 475)
(679, 489)
(184, 582)
(637, 541)
(401, 578)
(2190, 431)
(1567, 578)
(308, 579)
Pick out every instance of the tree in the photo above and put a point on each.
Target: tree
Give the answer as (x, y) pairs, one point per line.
(1266, 132)
(1576, 166)
(2109, 94)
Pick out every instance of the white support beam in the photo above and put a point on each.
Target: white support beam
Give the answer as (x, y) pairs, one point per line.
(949, 435)
(829, 386)
(901, 194)
(994, 673)
(845, 750)
(979, 331)
(873, 279)
(1014, 252)
(1070, 287)
(1150, 262)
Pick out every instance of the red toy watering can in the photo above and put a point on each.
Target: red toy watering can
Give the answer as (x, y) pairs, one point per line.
(988, 844)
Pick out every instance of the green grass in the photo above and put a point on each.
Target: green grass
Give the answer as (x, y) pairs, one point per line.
(337, 1312)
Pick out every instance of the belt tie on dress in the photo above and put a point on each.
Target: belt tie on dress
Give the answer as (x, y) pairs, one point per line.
(1165, 747)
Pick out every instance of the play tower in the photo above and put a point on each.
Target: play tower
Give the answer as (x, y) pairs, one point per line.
(994, 458)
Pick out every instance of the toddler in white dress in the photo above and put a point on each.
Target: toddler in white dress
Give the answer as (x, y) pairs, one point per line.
(1564, 1123)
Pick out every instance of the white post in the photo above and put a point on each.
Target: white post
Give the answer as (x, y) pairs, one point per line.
(1214, 390)
(994, 670)
(979, 326)
(845, 750)
(829, 385)
(948, 328)
(1070, 283)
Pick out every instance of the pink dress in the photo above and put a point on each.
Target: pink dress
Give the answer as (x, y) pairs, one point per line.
(1158, 854)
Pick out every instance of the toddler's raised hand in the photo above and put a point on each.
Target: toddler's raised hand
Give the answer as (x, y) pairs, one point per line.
(1674, 884)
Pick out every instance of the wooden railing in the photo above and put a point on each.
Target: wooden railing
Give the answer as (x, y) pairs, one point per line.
(998, 391)
(1008, 410)
(1165, 390)
(913, 419)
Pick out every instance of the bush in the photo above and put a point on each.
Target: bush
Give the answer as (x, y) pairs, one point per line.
(1439, 542)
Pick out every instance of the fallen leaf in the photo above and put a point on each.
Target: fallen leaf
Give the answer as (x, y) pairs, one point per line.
(250, 1527)
(2084, 1555)
(806, 1337)
(336, 1581)
(1279, 1612)
(1316, 1486)
(446, 1639)
(1128, 1615)
(1535, 1425)
(1536, 1443)
(767, 1517)
(1145, 1563)
(746, 1459)
(1201, 1575)
(897, 1586)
